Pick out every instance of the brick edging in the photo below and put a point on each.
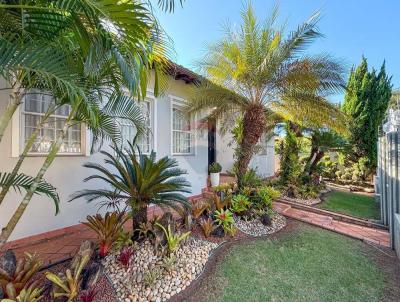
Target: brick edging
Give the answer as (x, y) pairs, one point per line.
(335, 216)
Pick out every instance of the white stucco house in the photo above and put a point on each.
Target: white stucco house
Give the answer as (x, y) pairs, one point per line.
(173, 133)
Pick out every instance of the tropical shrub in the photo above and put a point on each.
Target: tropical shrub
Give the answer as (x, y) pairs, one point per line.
(251, 179)
(68, 285)
(151, 276)
(125, 256)
(240, 203)
(88, 295)
(139, 180)
(16, 274)
(107, 228)
(215, 168)
(169, 263)
(208, 226)
(230, 230)
(217, 203)
(198, 209)
(173, 239)
(223, 217)
(124, 239)
(27, 294)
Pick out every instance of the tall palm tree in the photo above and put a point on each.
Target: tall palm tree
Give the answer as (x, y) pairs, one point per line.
(138, 180)
(112, 45)
(255, 72)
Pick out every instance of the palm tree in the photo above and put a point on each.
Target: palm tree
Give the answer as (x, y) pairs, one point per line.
(110, 45)
(138, 180)
(256, 73)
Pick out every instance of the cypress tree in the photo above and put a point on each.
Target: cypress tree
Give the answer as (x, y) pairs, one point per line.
(366, 101)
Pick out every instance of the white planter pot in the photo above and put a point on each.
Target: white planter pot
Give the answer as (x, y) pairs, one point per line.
(214, 178)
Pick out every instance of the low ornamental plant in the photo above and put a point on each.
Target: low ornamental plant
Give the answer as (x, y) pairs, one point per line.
(240, 203)
(173, 239)
(215, 168)
(208, 226)
(88, 295)
(223, 217)
(125, 256)
(198, 209)
(107, 228)
(14, 280)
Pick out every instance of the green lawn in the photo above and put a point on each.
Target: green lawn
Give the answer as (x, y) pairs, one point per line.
(352, 204)
(309, 264)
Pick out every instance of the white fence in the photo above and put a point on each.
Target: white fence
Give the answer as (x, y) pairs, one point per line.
(388, 177)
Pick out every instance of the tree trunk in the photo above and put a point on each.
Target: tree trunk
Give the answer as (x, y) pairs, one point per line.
(253, 127)
(15, 101)
(6, 232)
(138, 216)
(22, 156)
(320, 154)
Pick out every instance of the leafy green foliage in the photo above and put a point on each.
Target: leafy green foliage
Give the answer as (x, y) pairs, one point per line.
(124, 239)
(28, 294)
(367, 97)
(223, 217)
(14, 282)
(23, 181)
(290, 167)
(251, 179)
(173, 239)
(68, 285)
(255, 67)
(208, 226)
(240, 203)
(139, 180)
(107, 228)
(215, 168)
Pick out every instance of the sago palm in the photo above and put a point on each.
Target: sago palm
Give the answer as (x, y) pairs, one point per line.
(139, 180)
(257, 73)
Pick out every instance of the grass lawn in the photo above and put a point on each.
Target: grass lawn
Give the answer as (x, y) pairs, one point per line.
(352, 204)
(306, 264)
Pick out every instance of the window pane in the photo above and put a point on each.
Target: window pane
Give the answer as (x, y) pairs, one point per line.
(182, 138)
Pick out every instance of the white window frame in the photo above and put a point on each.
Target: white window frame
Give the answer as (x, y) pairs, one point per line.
(153, 126)
(180, 104)
(18, 136)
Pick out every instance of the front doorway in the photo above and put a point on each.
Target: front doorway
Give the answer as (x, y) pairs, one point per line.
(212, 141)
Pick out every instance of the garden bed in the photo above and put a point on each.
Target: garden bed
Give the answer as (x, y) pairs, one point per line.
(255, 227)
(152, 277)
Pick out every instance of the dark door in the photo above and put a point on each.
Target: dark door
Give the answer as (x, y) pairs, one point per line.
(211, 141)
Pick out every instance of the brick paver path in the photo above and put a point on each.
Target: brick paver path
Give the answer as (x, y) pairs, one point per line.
(370, 235)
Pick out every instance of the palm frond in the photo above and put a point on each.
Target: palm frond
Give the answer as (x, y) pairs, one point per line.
(23, 181)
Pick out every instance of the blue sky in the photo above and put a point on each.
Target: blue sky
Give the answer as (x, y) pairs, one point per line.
(351, 28)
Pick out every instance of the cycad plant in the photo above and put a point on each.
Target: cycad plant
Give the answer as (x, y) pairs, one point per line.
(257, 73)
(140, 180)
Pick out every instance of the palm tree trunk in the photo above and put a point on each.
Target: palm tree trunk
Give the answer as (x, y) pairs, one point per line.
(139, 215)
(253, 127)
(6, 232)
(22, 156)
(15, 101)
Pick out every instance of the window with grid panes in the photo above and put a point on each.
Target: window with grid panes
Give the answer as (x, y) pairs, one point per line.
(35, 106)
(129, 131)
(182, 138)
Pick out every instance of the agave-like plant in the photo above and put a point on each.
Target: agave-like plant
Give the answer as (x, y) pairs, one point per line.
(69, 284)
(107, 228)
(140, 180)
(14, 280)
(173, 239)
(28, 294)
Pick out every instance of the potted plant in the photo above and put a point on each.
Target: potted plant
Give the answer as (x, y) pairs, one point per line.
(214, 169)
